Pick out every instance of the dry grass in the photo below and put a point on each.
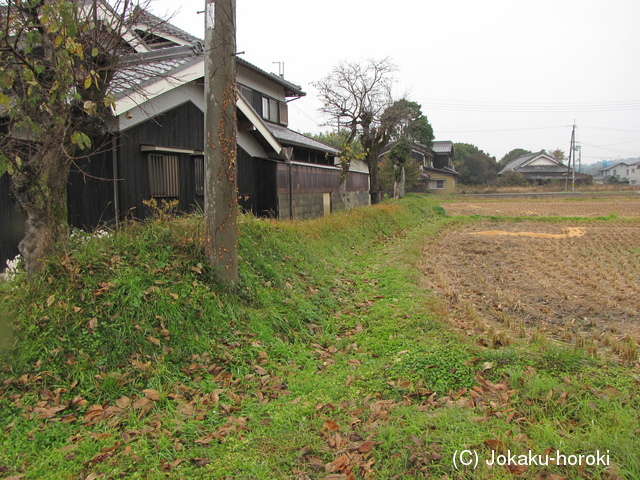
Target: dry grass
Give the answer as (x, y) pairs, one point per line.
(553, 187)
(580, 289)
(627, 206)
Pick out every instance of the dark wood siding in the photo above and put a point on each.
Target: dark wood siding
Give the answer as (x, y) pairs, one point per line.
(90, 192)
(182, 127)
(312, 179)
(11, 223)
(257, 185)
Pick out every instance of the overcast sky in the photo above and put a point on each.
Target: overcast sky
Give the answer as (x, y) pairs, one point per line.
(500, 74)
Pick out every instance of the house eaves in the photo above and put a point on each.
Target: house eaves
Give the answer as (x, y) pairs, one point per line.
(259, 126)
(290, 137)
(442, 146)
(156, 73)
(520, 161)
(291, 89)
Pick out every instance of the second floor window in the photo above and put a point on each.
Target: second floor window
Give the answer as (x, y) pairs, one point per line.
(270, 109)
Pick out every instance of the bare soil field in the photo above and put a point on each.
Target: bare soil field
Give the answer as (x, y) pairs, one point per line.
(568, 280)
(620, 206)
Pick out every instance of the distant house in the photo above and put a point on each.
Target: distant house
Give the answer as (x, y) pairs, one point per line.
(625, 170)
(158, 144)
(538, 167)
(437, 174)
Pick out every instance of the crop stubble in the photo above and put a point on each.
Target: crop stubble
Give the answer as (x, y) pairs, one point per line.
(621, 207)
(582, 287)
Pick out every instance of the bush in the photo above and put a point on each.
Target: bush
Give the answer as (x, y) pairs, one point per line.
(512, 178)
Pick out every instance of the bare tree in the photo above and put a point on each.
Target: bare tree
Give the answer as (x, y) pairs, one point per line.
(221, 197)
(58, 61)
(355, 97)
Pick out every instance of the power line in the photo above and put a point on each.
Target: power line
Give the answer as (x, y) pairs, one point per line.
(504, 129)
(453, 105)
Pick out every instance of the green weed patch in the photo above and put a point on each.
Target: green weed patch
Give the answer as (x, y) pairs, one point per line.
(329, 361)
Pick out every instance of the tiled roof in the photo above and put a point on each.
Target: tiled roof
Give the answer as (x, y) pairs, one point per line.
(159, 25)
(442, 146)
(292, 90)
(287, 136)
(518, 161)
(141, 69)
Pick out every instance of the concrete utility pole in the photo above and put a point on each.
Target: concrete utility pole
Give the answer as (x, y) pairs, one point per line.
(220, 194)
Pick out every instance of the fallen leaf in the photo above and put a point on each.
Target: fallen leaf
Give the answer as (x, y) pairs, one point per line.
(152, 394)
(366, 446)
(494, 444)
(340, 463)
(93, 323)
(154, 340)
(486, 366)
(259, 370)
(517, 469)
(141, 403)
(123, 402)
(331, 426)
(92, 412)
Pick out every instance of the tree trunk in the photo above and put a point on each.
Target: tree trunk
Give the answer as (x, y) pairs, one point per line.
(221, 198)
(344, 197)
(399, 184)
(42, 194)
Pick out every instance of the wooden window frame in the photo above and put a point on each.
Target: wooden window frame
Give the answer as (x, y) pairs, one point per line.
(164, 174)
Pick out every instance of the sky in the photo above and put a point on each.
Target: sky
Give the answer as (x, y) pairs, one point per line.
(499, 74)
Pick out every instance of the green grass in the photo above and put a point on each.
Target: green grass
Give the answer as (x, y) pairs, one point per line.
(127, 360)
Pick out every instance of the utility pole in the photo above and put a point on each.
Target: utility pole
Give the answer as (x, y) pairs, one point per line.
(571, 155)
(220, 196)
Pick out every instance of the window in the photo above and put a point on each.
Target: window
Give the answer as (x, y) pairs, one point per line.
(270, 109)
(436, 184)
(246, 92)
(163, 175)
(198, 161)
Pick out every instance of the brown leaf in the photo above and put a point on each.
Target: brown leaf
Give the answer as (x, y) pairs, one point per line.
(494, 444)
(141, 403)
(517, 469)
(204, 440)
(154, 340)
(123, 402)
(92, 412)
(340, 463)
(93, 323)
(259, 370)
(152, 394)
(366, 446)
(48, 412)
(50, 300)
(331, 426)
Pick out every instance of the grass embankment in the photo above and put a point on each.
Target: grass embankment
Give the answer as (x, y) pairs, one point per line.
(330, 361)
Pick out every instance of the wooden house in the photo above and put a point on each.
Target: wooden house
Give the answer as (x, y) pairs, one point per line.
(437, 173)
(537, 167)
(157, 144)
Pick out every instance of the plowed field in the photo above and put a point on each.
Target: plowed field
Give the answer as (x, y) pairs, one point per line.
(571, 281)
(621, 207)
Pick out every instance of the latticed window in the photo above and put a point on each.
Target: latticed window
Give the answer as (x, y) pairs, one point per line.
(199, 167)
(164, 179)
